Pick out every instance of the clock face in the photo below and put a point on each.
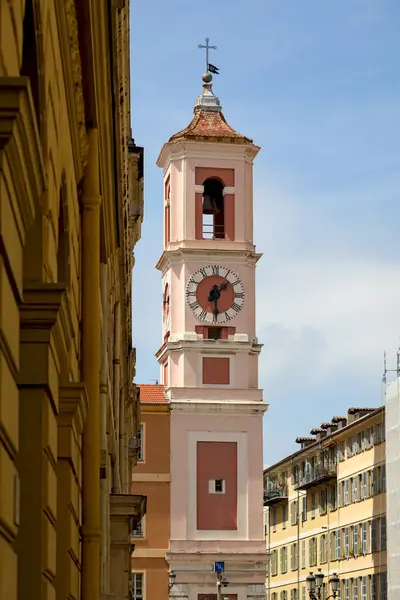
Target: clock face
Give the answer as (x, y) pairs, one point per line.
(166, 305)
(215, 294)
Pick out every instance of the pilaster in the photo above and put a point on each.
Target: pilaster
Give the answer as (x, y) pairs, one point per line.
(21, 186)
(126, 510)
(73, 406)
(91, 365)
(45, 335)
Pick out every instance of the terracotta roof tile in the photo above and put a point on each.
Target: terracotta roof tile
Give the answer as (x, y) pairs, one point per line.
(151, 393)
(209, 126)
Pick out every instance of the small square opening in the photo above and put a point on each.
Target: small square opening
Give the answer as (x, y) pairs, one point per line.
(214, 333)
(216, 486)
(219, 485)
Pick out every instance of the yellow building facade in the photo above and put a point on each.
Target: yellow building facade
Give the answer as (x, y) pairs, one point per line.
(325, 508)
(71, 208)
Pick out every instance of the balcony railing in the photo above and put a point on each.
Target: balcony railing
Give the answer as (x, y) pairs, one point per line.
(275, 494)
(316, 475)
(213, 232)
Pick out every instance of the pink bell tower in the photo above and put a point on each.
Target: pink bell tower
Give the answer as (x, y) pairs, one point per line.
(209, 360)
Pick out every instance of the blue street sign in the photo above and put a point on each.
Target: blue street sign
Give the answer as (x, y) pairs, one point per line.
(219, 567)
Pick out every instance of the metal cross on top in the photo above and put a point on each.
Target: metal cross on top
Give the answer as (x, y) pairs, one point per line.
(207, 48)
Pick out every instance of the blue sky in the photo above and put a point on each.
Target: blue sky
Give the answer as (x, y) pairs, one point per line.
(317, 85)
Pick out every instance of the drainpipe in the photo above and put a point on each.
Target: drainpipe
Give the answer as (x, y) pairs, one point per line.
(91, 525)
(104, 507)
(117, 394)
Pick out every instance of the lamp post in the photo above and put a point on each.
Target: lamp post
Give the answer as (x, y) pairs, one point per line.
(172, 577)
(315, 583)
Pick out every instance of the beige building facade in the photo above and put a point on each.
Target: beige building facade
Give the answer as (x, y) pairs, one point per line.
(71, 207)
(325, 508)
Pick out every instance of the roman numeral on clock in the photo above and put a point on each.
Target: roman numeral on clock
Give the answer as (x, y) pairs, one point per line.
(203, 272)
(193, 293)
(203, 314)
(215, 269)
(239, 294)
(194, 305)
(235, 307)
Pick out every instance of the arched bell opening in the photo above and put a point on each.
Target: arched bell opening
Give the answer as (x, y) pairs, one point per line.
(213, 209)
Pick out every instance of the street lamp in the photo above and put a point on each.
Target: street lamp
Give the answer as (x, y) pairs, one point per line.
(315, 583)
(172, 577)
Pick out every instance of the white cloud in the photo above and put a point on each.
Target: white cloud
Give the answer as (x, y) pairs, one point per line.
(318, 315)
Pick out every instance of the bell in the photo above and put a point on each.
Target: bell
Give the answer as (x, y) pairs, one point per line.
(209, 205)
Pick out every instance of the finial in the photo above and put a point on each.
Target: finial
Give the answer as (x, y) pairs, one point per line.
(207, 101)
(207, 47)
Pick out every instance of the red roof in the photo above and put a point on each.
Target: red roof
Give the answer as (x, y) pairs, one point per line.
(210, 126)
(151, 393)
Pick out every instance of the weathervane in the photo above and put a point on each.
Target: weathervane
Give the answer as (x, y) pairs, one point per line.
(209, 67)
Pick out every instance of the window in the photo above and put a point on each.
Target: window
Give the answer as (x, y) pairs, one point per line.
(373, 530)
(216, 486)
(137, 586)
(303, 554)
(303, 593)
(304, 508)
(312, 551)
(138, 531)
(338, 545)
(346, 542)
(371, 482)
(284, 515)
(213, 210)
(273, 519)
(383, 586)
(294, 557)
(355, 589)
(322, 501)
(339, 494)
(293, 594)
(323, 549)
(373, 584)
(349, 448)
(346, 492)
(383, 431)
(333, 545)
(383, 478)
(347, 589)
(373, 435)
(355, 540)
(355, 444)
(313, 505)
(283, 559)
(363, 485)
(383, 533)
(364, 538)
(364, 588)
(274, 563)
(332, 497)
(293, 513)
(354, 491)
(139, 440)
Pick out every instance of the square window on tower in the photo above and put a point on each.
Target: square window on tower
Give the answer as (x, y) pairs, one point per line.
(216, 486)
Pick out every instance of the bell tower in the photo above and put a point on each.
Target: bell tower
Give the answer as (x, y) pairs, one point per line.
(209, 358)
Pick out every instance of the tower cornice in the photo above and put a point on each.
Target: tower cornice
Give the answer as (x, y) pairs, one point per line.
(233, 407)
(208, 250)
(215, 150)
